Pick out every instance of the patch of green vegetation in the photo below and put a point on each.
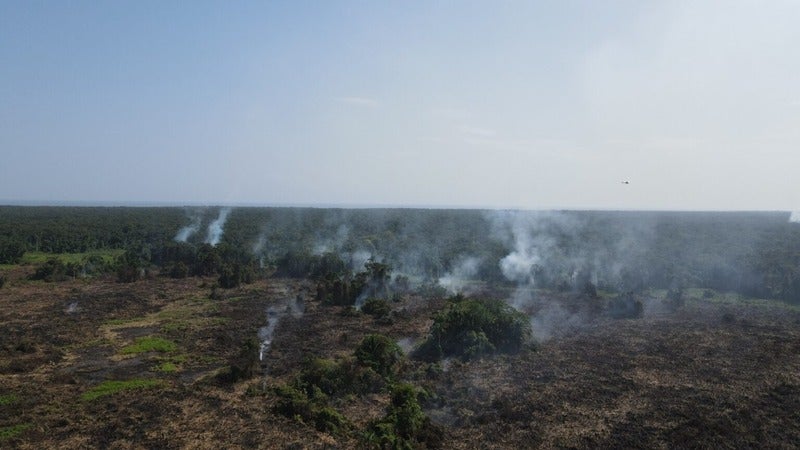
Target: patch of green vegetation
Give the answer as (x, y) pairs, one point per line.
(404, 426)
(166, 367)
(380, 354)
(307, 397)
(150, 344)
(377, 308)
(8, 399)
(469, 328)
(13, 431)
(112, 387)
(309, 407)
(245, 364)
(180, 359)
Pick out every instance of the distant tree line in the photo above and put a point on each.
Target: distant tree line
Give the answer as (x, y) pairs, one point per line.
(756, 254)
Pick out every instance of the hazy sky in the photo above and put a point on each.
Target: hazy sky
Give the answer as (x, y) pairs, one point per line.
(500, 104)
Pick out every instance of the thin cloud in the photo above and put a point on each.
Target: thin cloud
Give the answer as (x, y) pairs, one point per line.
(364, 102)
(477, 131)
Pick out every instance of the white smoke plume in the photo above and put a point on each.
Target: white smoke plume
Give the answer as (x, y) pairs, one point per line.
(406, 344)
(533, 241)
(186, 232)
(358, 258)
(216, 227)
(333, 243)
(528, 235)
(293, 306)
(266, 332)
(458, 278)
(553, 320)
(258, 249)
(794, 217)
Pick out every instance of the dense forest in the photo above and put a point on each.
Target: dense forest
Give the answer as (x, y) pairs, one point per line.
(755, 254)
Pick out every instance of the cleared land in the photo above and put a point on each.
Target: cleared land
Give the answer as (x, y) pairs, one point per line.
(96, 363)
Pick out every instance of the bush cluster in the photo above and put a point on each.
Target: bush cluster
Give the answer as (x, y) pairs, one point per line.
(11, 251)
(380, 354)
(54, 269)
(307, 396)
(404, 426)
(468, 328)
(377, 308)
(344, 289)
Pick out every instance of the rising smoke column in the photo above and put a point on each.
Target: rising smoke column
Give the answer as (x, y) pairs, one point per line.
(186, 232)
(526, 234)
(794, 217)
(258, 248)
(216, 227)
(291, 306)
(464, 270)
(533, 242)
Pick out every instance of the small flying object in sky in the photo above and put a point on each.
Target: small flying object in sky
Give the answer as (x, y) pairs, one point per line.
(626, 182)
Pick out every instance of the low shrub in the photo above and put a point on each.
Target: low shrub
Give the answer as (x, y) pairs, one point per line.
(404, 426)
(245, 364)
(52, 270)
(376, 308)
(179, 270)
(309, 407)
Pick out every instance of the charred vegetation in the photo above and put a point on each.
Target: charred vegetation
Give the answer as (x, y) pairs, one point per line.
(397, 329)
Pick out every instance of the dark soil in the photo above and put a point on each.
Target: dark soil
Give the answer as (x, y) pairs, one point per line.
(710, 374)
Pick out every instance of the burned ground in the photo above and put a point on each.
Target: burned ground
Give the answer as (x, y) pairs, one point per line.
(716, 372)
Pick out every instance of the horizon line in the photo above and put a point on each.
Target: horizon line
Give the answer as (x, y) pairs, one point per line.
(324, 205)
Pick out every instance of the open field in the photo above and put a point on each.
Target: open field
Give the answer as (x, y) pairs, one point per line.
(96, 363)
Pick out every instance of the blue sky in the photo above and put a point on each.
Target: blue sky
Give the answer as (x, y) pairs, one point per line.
(474, 104)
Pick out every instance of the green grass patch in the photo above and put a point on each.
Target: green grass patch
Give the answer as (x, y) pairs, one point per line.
(8, 399)
(112, 387)
(179, 359)
(150, 344)
(166, 367)
(13, 431)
